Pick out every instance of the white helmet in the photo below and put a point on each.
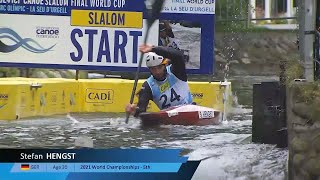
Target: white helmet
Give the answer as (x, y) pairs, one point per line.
(153, 59)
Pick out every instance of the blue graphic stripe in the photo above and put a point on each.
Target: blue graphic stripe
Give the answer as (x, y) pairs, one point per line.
(26, 39)
(12, 35)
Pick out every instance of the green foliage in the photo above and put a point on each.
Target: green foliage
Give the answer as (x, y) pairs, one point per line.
(83, 75)
(237, 27)
(294, 21)
(232, 14)
(279, 21)
(307, 93)
(48, 73)
(294, 70)
(15, 72)
(231, 9)
(9, 72)
(70, 75)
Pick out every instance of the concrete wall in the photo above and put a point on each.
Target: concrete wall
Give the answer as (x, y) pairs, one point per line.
(303, 131)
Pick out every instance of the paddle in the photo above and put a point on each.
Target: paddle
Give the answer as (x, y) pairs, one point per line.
(153, 13)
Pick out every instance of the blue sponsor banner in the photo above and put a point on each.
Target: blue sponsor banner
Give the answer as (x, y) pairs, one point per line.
(102, 34)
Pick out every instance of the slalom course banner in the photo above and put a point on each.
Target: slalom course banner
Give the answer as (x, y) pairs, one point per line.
(100, 34)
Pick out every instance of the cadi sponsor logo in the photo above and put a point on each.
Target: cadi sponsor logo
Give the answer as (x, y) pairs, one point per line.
(99, 96)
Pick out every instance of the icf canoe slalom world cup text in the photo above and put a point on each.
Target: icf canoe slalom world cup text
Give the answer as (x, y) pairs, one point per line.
(19, 5)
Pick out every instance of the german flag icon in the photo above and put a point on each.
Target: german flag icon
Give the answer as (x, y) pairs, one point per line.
(25, 167)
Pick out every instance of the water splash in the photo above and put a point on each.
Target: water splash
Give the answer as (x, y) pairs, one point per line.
(83, 142)
(74, 120)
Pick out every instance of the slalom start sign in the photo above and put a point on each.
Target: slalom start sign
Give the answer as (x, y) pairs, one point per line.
(102, 34)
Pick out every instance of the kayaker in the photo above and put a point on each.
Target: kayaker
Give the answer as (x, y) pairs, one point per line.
(166, 36)
(167, 86)
(167, 28)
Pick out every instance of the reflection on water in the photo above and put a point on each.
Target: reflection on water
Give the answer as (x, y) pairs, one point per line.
(226, 148)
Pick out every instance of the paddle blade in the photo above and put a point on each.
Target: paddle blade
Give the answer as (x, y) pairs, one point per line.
(153, 10)
(127, 117)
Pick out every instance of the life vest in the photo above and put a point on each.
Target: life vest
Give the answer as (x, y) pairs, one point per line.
(170, 92)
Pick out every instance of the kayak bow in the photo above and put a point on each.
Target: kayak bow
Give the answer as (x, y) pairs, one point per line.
(182, 115)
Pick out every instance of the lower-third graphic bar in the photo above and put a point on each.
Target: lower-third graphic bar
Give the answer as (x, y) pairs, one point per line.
(127, 167)
(95, 167)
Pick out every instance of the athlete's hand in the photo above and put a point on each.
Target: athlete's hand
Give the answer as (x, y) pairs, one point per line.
(131, 108)
(145, 48)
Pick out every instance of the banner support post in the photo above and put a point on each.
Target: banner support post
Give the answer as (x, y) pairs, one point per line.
(77, 74)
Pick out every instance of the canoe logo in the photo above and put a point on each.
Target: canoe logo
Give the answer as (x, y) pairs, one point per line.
(14, 41)
(104, 96)
(47, 32)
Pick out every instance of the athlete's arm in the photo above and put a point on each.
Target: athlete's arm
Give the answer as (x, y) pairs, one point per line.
(178, 67)
(145, 94)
